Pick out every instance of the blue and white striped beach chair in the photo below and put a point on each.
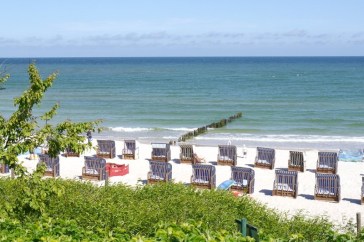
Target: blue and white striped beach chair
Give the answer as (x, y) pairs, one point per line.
(4, 168)
(203, 176)
(161, 152)
(327, 162)
(285, 183)
(94, 169)
(227, 155)
(52, 165)
(186, 155)
(105, 149)
(265, 158)
(296, 161)
(130, 151)
(327, 187)
(243, 178)
(159, 171)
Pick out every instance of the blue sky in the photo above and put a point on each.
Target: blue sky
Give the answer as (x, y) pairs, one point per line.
(77, 28)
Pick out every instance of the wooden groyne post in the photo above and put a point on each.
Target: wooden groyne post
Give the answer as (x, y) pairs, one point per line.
(358, 224)
(203, 129)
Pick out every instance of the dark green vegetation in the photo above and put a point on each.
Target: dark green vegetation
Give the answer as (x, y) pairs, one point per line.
(34, 208)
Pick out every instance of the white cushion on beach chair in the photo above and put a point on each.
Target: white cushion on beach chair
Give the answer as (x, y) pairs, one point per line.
(263, 161)
(244, 183)
(156, 177)
(323, 191)
(225, 158)
(284, 187)
(201, 181)
(92, 171)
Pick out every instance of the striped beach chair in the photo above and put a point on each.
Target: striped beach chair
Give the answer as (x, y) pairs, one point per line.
(296, 161)
(94, 168)
(52, 165)
(4, 168)
(105, 149)
(285, 184)
(227, 155)
(265, 158)
(327, 187)
(186, 155)
(327, 162)
(161, 152)
(130, 151)
(243, 178)
(203, 176)
(71, 153)
(159, 171)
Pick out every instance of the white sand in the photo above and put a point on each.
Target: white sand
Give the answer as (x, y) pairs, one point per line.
(350, 177)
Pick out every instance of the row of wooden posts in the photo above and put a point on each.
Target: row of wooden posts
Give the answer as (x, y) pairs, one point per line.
(214, 125)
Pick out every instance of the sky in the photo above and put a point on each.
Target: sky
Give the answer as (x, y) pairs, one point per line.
(143, 28)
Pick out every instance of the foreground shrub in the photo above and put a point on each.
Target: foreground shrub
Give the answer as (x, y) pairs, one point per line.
(67, 230)
(82, 210)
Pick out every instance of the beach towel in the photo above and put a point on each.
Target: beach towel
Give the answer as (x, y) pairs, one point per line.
(226, 185)
(351, 155)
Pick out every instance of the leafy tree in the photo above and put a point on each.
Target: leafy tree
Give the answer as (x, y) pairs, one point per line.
(23, 131)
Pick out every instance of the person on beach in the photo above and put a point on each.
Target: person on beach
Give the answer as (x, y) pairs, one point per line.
(89, 136)
(198, 159)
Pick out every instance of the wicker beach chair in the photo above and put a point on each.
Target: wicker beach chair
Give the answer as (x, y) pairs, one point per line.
(227, 155)
(105, 149)
(71, 153)
(130, 151)
(159, 172)
(296, 161)
(203, 176)
(186, 155)
(94, 169)
(52, 165)
(285, 184)
(4, 168)
(327, 162)
(327, 187)
(243, 178)
(265, 158)
(161, 152)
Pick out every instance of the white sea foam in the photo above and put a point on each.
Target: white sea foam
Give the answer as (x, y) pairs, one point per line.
(128, 129)
(284, 138)
(181, 129)
(140, 129)
(169, 137)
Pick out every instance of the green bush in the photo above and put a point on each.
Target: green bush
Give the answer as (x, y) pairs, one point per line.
(66, 210)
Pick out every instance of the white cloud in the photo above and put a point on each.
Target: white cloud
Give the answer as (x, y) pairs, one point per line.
(154, 42)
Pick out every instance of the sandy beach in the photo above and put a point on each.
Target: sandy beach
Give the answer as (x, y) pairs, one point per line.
(349, 172)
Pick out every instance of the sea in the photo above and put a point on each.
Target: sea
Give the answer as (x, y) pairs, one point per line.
(286, 102)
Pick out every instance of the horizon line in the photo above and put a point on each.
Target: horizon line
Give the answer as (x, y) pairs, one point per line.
(217, 56)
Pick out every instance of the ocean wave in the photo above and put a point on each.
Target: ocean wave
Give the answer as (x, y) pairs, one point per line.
(140, 129)
(284, 138)
(181, 129)
(169, 137)
(126, 129)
